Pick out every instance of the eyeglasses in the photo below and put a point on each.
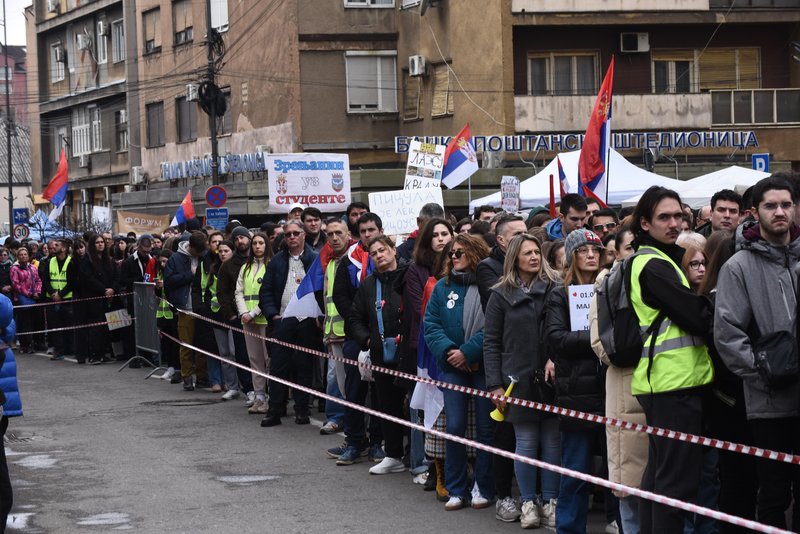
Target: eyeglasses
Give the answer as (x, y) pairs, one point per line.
(456, 254)
(772, 206)
(292, 234)
(695, 264)
(606, 226)
(584, 250)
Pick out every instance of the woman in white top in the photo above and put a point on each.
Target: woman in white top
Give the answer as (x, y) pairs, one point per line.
(253, 321)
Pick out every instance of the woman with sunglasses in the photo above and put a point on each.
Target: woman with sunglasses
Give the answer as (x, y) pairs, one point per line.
(579, 378)
(454, 334)
(512, 346)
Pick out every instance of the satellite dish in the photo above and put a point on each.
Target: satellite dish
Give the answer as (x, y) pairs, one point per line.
(423, 6)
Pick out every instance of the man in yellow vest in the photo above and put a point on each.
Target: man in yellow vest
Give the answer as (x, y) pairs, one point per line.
(338, 241)
(58, 284)
(675, 365)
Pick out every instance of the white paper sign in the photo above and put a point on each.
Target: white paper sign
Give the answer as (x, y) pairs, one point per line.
(580, 297)
(118, 319)
(101, 216)
(425, 163)
(319, 180)
(509, 194)
(398, 210)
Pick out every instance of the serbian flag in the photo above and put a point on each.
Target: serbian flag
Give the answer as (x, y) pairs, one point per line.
(460, 160)
(304, 303)
(562, 178)
(185, 211)
(593, 164)
(56, 190)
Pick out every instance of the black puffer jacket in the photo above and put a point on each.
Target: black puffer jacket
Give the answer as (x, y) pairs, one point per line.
(363, 324)
(579, 374)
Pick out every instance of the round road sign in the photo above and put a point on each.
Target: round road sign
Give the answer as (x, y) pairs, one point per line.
(21, 231)
(216, 196)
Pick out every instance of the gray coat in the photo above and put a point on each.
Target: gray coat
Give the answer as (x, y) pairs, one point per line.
(758, 283)
(513, 343)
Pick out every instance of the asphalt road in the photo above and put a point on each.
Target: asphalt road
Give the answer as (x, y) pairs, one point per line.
(101, 451)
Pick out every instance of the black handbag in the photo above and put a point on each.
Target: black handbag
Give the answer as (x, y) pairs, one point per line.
(776, 359)
(542, 390)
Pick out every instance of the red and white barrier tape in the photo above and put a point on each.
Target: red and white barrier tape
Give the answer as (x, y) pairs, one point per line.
(660, 499)
(575, 414)
(74, 327)
(68, 301)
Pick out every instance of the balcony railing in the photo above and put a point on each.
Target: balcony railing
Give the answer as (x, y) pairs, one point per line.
(753, 4)
(769, 107)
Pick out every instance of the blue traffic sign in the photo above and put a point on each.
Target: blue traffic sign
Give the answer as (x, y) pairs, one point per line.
(217, 217)
(21, 216)
(216, 196)
(761, 162)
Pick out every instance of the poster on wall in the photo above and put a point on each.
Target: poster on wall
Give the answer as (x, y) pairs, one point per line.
(141, 223)
(318, 180)
(424, 167)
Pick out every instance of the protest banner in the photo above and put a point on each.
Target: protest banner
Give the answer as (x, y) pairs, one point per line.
(318, 180)
(399, 209)
(141, 223)
(424, 168)
(509, 194)
(580, 298)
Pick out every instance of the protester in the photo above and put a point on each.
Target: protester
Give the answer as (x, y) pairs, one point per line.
(602, 222)
(463, 226)
(312, 221)
(726, 208)
(572, 215)
(483, 213)
(428, 211)
(26, 287)
(224, 336)
(354, 212)
(61, 283)
(5, 272)
(694, 265)
(10, 401)
(167, 323)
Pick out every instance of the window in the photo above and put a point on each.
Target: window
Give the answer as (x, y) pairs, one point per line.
(121, 129)
(371, 82)
(97, 128)
(152, 30)
(412, 94)
(442, 94)
(562, 73)
(59, 134)
(182, 21)
(102, 43)
(118, 41)
(730, 68)
(81, 132)
(673, 71)
(56, 63)
(368, 3)
(219, 15)
(155, 124)
(186, 115)
(225, 123)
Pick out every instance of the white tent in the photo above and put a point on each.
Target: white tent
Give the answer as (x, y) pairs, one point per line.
(698, 191)
(625, 180)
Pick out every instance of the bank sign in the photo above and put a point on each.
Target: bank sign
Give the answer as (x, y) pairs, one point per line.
(199, 168)
(318, 180)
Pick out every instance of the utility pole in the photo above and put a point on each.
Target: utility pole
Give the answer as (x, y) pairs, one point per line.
(212, 116)
(8, 124)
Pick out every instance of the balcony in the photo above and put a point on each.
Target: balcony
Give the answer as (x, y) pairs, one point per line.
(598, 6)
(754, 4)
(761, 107)
(631, 112)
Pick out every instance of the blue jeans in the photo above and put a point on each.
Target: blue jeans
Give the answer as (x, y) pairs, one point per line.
(214, 371)
(542, 441)
(455, 465)
(334, 412)
(573, 495)
(629, 514)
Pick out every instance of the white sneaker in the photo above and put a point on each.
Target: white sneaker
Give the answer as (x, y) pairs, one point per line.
(168, 374)
(388, 465)
(507, 510)
(251, 398)
(530, 515)
(49, 350)
(421, 478)
(548, 513)
(479, 501)
(231, 394)
(612, 528)
(454, 503)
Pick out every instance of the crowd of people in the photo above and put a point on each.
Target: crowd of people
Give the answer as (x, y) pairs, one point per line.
(480, 302)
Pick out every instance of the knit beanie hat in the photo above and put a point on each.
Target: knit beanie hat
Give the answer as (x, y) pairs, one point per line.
(578, 238)
(240, 230)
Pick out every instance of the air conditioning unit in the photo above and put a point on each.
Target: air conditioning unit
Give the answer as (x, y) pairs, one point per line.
(84, 196)
(137, 175)
(53, 5)
(264, 149)
(191, 92)
(84, 161)
(107, 194)
(416, 65)
(631, 42)
(61, 55)
(128, 188)
(102, 27)
(84, 42)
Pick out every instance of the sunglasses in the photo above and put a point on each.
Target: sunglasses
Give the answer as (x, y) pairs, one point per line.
(292, 234)
(456, 254)
(606, 226)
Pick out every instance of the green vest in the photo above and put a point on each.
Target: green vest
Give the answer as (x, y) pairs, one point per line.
(212, 289)
(162, 309)
(58, 278)
(680, 360)
(252, 285)
(334, 324)
(204, 278)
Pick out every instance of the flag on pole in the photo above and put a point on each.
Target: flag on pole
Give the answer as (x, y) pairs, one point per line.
(553, 212)
(460, 160)
(593, 164)
(185, 211)
(562, 178)
(56, 190)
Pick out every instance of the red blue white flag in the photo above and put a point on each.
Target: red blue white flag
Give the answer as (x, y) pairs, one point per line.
(56, 190)
(185, 211)
(460, 159)
(593, 162)
(562, 178)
